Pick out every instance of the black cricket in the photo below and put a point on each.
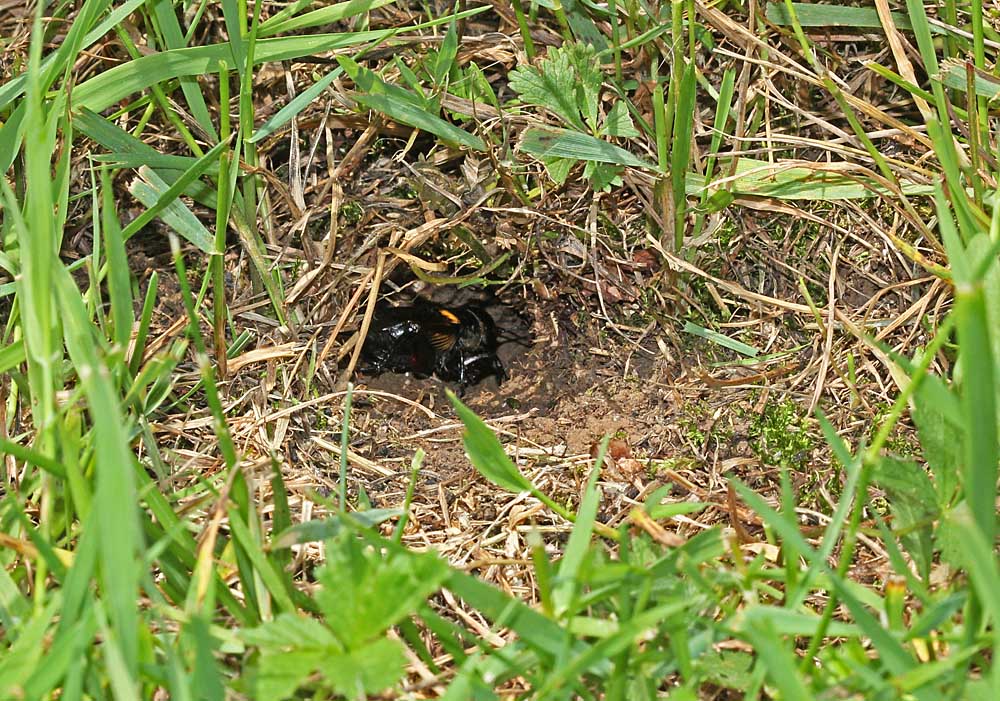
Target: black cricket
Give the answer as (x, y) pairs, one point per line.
(457, 344)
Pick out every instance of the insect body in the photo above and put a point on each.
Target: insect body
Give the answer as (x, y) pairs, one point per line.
(457, 344)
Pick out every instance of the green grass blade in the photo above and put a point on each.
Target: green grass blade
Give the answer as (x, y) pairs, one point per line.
(628, 633)
(116, 521)
(262, 567)
(32, 457)
(338, 12)
(979, 403)
(817, 15)
(115, 84)
(486, 453)
(119, 285)
(680, 153)
(294, 106)
(25, 654)
(405, 106)
(12, 89)
(563, 143)
(777, 659)
(567, 584)
(11, 137)
(170, 28)
(721, 339)
(532, 627)
(11, 356)
(153, 191)
(145, 320)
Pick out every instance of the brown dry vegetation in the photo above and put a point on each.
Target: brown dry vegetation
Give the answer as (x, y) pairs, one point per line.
(604, 307)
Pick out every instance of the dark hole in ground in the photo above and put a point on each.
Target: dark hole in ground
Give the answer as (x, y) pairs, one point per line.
(406, 335)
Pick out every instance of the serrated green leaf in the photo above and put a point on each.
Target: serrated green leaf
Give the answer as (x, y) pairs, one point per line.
(732, 669)
(292, 648)
(588, 81)
(279, 675)
(368, 670)
(377, 591)
(552, 86)
(938, 417)
(578, 16)
(913, 501)
(290, 631)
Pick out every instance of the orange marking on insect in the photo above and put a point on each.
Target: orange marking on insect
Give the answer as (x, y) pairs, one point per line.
(449, 316)
(442, 341)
